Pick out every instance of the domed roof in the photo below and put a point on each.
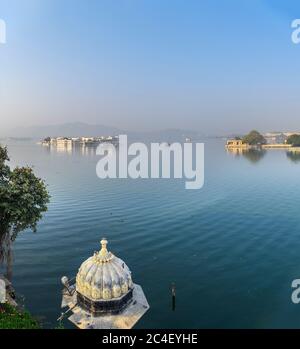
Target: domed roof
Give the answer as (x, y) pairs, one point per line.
(103, 276)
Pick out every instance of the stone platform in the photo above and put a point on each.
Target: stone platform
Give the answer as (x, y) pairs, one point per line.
(126, 319)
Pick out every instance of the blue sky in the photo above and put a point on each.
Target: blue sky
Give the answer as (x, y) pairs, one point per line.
(214, 66)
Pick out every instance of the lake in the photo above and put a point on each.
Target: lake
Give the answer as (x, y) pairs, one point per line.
(232, 248)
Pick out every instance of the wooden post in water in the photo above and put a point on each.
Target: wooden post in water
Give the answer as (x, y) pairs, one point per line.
(173, 290)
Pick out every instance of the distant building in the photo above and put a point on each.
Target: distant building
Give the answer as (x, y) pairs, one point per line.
(236, 143)
(62, 142)
(275, 137)
(288, 134)
(87, 139)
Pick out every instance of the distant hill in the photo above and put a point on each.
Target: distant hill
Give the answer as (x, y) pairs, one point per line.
(167, 135)
(68, 130)
(83, 129)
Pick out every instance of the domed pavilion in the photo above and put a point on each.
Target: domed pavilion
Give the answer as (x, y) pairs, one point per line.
(104, 295)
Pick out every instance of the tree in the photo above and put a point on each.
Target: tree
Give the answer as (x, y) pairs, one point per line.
(254, 138)
(294, 140)
(23, 199)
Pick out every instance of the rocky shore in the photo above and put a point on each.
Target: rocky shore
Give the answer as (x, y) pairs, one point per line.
(7, 292)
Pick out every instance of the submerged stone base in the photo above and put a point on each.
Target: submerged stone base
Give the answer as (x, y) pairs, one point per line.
(124, 319)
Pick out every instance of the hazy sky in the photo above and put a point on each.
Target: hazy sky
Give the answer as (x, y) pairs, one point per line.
(210, 65)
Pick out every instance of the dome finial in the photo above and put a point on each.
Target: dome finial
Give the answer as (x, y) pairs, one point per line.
(103, 250)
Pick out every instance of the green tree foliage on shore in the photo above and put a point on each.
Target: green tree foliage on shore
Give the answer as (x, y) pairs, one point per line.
(254, 138)
(294, 140)
(23, 199)
(12, 318)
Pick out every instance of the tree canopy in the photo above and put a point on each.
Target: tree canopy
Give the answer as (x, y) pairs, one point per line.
(13, 318)
(294, 140)
(254, 138)
(23, 199)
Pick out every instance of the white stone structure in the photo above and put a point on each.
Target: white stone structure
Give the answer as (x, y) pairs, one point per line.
(104, 295)
(2, 291)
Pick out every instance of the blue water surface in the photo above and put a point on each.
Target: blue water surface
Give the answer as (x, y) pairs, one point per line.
(232, 248)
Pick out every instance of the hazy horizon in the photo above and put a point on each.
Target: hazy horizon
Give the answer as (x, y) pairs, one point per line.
(75, 129)
(207, 66)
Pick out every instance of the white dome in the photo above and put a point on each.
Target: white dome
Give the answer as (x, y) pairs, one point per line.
(103, 276)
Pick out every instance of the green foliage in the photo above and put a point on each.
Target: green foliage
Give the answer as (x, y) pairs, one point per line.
(60, 326)
(3, 155)
(254, 138)
(294, 140)
(4, 169)
(12, 318)
(23, 197)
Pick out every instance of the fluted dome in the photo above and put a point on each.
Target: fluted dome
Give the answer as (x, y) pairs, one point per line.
(104, 296)
(103, 277)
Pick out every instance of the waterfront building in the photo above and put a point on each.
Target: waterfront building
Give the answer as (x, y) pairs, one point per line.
(288, 134)
(87, 139)
(68, 142)
(104, 295)
(275, 138)
(236, 143)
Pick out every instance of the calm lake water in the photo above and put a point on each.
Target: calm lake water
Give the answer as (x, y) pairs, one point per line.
(232, 248)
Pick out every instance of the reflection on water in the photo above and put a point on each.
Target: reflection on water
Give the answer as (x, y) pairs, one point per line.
(232, 248)
(253, 155)
(294, 155)
(80, 149)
